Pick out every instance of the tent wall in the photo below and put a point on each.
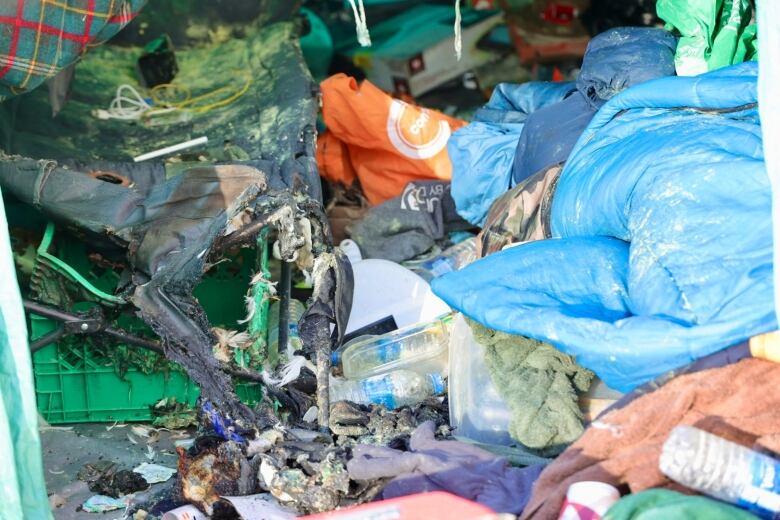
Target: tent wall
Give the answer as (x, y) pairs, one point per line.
(769, 106)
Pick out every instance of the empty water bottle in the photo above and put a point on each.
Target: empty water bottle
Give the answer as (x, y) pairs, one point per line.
(294, 341)
(722, 469)
(393, 390)
(422, 348)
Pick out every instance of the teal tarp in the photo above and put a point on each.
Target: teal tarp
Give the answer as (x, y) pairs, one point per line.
(22, 487)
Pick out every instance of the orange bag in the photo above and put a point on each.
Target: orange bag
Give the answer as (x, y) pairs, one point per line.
(382, 141)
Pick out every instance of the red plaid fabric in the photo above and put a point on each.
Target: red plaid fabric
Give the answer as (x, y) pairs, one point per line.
(38, 38)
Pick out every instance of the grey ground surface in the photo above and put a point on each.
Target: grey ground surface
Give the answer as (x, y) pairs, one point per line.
(67, 449)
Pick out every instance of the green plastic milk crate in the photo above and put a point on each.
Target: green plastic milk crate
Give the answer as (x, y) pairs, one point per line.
(78, 381)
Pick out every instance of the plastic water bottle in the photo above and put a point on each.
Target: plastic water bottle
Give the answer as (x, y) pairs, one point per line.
(421, 348)
(294, 341)
(393, 390)
(451, 259)
(722, 469)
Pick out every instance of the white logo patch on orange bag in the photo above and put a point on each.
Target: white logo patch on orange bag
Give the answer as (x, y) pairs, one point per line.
(414, 133)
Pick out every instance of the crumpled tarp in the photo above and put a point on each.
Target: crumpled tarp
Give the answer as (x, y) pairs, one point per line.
(769, 107)
(525, 128)
(664, 237)
(714, 33)
(22, 486)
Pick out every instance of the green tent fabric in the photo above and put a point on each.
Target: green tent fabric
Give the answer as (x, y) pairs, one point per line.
(663, 504)
(714, 33)
(22, 486)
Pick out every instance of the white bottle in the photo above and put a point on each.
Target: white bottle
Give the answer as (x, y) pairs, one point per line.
(393, 390)
(422, 348)
(294, 341)
(722, 469)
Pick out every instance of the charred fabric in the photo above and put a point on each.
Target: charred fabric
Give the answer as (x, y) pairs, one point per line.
(171, 230)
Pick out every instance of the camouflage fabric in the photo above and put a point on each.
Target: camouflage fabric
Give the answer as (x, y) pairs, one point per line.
(520, 215)
(38, 38)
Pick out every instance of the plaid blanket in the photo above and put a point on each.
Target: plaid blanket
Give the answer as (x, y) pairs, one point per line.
(38, 38)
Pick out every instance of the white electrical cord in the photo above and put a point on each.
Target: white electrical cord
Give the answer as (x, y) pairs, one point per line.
(458, 31)
(127, 104)
(361, 26)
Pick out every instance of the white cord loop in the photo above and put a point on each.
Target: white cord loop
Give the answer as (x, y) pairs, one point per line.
(458, 31)
(361, 26)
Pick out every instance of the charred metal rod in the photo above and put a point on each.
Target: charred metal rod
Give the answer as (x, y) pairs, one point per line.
(66, 317)
(47, 339)
(243, 235)
(48, 312)
(323, 383)
(121, 335)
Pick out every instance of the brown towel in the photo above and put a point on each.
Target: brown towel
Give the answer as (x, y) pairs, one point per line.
(740, 402)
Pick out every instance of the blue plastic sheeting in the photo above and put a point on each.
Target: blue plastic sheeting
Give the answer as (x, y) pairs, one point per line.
(614, 61)
(664, 248)
(482, 152)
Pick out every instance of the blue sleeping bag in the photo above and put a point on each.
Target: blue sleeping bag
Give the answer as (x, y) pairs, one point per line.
(663, 226)
(525, 128)
(614, 61)
(482, 152)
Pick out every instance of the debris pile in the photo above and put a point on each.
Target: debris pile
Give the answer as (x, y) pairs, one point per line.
(400, 277)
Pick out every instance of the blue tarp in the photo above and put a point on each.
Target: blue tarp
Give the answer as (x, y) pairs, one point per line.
(663, 248)
(525, 128)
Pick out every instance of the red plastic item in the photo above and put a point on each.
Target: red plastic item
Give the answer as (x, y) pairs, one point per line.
(426, 506)
(561, 14)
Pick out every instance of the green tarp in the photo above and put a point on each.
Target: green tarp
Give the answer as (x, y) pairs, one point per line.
(713, 33)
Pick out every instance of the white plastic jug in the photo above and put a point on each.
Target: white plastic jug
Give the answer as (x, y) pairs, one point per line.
(384, 289)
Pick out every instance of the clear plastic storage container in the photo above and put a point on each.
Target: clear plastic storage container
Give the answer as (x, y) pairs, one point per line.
(477, 411)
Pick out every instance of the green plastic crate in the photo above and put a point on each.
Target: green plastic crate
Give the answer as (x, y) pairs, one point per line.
(76, 381)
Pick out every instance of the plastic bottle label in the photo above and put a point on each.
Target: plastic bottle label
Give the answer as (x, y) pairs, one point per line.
(389, 352)
(380, 391)
(763, 495)
(439, 266)
(443, 266)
